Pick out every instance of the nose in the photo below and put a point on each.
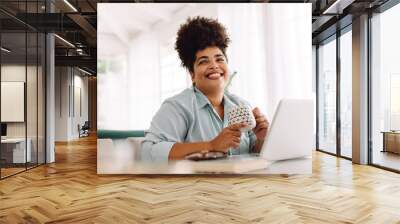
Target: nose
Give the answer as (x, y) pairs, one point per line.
(214, 64)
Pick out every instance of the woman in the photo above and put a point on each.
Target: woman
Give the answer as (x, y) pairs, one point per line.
(196, 120)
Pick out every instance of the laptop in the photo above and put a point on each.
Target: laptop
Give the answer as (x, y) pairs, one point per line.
(290, 136)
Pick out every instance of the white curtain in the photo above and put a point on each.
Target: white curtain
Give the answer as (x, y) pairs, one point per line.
(288, 50)
(271, 51)
(129, 90)
(112, 93)
(143, 81)
(246, 53)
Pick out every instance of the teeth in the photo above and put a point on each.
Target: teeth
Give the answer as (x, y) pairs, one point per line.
(214, 75)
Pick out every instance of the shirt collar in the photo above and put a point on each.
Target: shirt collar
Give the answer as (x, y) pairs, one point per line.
(201, 98)
(228, 103)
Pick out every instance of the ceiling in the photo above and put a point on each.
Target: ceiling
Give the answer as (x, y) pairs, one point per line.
(130, 24)
(144, 17)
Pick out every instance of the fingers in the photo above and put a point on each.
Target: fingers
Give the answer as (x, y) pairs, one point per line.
(235, 136)
(263, 125)
(236, 133)
(256, 112)
(235, 145)
(236, 140)
(224, 150)
(260, 119)
(235, 127)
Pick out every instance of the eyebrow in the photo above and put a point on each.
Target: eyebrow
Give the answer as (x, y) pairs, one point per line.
(198, 59)
(215, 56)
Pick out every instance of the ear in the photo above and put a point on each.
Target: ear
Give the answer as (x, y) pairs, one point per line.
(192, 76)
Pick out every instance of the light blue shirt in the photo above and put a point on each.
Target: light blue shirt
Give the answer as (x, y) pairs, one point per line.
(189, 117)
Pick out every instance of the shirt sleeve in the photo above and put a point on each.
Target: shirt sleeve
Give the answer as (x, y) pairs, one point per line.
(168, 127)
(253, 139)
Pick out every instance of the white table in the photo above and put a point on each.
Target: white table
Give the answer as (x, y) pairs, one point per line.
(293, 166)
(19, 155)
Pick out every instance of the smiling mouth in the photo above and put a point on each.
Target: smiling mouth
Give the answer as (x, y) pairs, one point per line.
(214, 76)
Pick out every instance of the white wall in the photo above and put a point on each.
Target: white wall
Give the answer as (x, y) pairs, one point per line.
(34, 125)
(68, 81)
(17, 73)
(80, 83)
(61, 103)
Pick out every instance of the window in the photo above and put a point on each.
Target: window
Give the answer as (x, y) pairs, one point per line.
(394, 102)
(385, 88)
(346, 93)
(22, 63)
(112, 90)
(327, 96)
(174, 78)
(334, 138)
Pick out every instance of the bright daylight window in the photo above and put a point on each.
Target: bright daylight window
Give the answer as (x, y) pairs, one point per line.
(174, 78)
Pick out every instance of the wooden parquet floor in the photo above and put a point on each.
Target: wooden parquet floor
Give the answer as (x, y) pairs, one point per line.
(70, 191)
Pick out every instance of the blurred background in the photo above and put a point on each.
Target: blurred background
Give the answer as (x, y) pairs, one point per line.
(138, 67)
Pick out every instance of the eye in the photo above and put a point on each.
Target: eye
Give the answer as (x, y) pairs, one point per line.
(220, 59)
(202, 62)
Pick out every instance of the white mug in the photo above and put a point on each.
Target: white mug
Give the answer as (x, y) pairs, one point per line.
(242, 114)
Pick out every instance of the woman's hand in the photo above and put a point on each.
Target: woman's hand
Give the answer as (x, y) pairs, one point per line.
(229, 137)
(262, 124)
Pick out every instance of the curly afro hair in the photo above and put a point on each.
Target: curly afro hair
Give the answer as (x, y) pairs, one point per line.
(197, 34)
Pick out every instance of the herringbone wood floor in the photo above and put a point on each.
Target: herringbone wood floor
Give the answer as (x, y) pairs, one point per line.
(70, 191)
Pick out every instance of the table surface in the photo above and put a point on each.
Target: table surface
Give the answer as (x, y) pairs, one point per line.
(391, 132)
(13, 140)
(292, 166)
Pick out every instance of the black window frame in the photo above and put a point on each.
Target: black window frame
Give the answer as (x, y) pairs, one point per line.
(30, 29)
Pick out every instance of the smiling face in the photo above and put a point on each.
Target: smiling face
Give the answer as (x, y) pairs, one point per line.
(210, 70)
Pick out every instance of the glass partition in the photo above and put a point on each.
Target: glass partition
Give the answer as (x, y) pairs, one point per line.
(385, 89)
(32, 95)
(22, 77)
(327, 96)
(41, 109)
(14, 153)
